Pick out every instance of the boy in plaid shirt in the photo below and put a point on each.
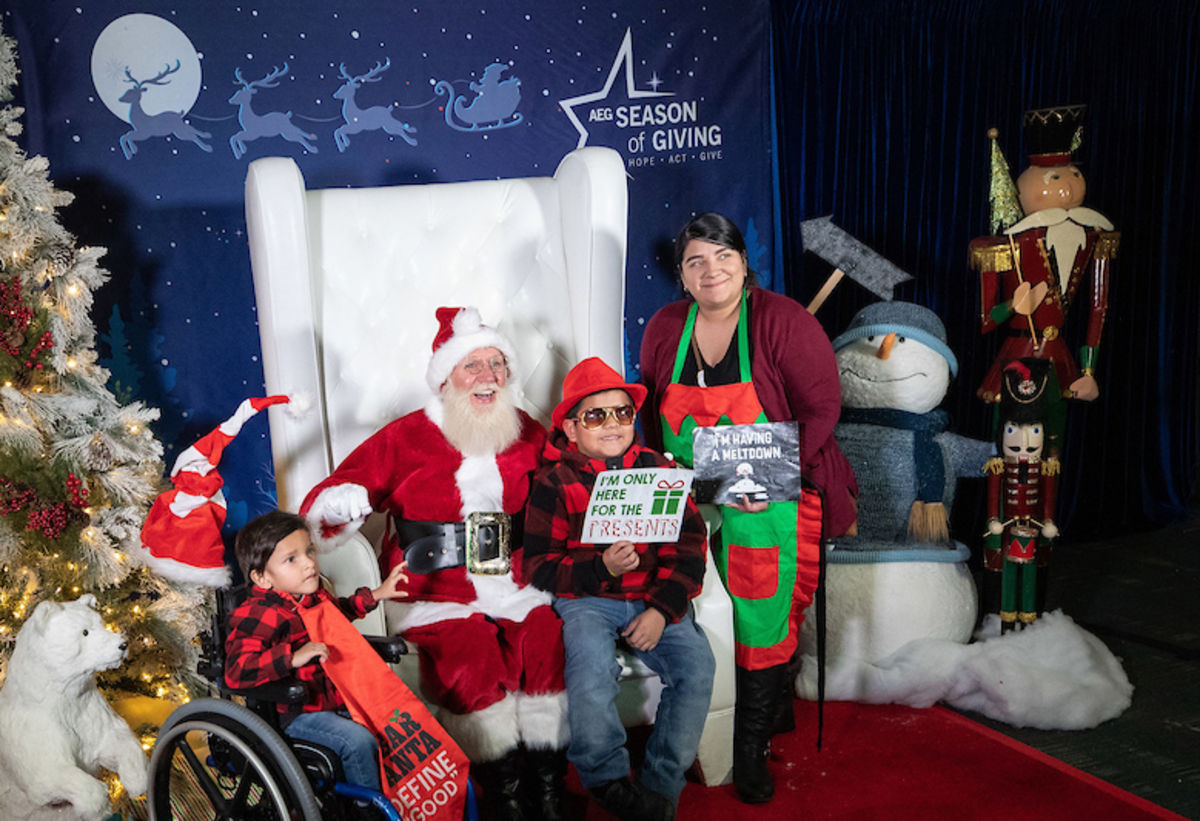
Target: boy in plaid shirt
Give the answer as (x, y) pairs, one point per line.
(637, 594)
(267, 640)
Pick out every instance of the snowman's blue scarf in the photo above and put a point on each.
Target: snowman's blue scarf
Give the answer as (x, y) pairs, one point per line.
(927, 456)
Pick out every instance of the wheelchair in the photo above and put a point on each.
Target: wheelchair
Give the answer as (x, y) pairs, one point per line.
(225, 758)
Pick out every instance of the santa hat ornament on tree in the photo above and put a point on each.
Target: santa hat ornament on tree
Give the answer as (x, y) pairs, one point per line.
(181, 538)
(460, 331)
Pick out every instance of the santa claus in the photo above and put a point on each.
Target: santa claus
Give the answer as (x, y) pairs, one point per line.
(453, 478)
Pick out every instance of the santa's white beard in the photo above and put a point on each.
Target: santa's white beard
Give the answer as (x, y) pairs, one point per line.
(480, 429)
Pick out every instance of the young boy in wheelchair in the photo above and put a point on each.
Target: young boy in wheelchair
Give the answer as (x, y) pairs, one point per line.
(634, 594)
(267, 640)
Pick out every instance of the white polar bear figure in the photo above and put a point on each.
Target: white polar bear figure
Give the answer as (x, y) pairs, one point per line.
(56, 729)
(901, 577)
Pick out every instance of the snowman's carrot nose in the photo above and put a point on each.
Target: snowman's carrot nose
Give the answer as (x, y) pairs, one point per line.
(885, 347)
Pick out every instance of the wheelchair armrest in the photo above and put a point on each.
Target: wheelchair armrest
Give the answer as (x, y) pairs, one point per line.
(284, 691)
(389, 648)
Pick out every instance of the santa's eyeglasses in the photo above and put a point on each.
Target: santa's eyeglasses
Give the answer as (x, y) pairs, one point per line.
(497, 365)
(593, 418)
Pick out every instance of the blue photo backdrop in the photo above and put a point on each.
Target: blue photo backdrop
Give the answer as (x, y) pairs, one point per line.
(150, 112)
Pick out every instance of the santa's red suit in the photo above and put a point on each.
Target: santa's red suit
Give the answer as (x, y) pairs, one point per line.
(490, 646)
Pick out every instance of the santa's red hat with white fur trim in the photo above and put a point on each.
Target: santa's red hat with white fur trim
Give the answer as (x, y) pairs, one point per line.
(460, 331)
(181, 538)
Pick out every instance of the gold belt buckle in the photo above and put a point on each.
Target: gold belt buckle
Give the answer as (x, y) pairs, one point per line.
(1050, 332)
(487, 543)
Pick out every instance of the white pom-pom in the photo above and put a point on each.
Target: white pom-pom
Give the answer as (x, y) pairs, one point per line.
(467, 321)
(299, 405)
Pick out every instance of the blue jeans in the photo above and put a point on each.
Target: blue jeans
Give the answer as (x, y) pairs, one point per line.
(683, 661)
(354, 744)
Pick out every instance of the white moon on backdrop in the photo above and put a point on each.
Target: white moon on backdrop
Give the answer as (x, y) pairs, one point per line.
(146, 45)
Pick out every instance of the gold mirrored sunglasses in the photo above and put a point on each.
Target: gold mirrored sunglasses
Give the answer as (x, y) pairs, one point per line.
(593, 418)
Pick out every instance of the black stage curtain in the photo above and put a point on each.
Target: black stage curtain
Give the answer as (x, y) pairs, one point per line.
(883, 110)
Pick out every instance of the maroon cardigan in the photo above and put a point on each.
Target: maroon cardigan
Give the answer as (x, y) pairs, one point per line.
(795, 376)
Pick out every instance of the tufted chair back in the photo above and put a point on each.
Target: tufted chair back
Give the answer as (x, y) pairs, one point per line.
(347, 281)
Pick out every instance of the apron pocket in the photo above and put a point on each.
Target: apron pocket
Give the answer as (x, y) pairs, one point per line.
(752, 572)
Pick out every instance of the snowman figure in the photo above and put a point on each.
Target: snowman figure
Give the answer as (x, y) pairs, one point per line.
(900, 577)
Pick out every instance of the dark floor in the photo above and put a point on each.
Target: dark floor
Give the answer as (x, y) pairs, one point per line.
(1140, 594)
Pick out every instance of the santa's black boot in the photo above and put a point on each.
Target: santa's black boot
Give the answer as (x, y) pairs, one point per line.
(501, 783)
(544, 783)
(754, 716)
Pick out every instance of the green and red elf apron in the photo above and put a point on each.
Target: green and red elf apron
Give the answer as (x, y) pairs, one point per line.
(424, 773)
(769, 561)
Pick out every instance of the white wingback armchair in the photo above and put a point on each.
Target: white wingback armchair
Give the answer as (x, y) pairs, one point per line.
(347, 282)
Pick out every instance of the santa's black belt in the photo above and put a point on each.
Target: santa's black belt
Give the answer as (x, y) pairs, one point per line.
(482, 543)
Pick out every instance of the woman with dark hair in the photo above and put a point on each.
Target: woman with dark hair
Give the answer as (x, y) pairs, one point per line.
(733, 353)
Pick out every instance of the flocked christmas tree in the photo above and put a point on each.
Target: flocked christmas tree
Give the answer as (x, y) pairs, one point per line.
(78, 469)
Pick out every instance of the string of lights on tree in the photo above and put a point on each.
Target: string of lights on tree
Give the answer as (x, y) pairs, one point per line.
(78, 469)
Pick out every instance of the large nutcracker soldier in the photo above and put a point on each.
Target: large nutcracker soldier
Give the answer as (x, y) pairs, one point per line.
(1053, 256)
(1021, 490)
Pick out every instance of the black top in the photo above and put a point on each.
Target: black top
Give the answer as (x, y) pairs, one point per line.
(725, 372)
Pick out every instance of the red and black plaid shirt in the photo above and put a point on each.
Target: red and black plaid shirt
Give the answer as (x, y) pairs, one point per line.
(669, 574)
(266, 629)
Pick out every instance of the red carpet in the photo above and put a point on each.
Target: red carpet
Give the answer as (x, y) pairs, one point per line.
(894, 762)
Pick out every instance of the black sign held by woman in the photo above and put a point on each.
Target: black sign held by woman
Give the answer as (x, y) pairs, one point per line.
(760, 462)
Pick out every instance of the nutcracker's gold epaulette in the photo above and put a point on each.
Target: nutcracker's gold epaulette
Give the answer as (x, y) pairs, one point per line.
(995, 465)
(1106, 244)
(991, 256)
(1051, 466)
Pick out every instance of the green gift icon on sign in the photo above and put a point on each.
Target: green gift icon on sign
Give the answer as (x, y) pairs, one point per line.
(666, 498)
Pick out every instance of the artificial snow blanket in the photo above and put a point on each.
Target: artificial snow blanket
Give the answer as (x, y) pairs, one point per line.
(1053, 675)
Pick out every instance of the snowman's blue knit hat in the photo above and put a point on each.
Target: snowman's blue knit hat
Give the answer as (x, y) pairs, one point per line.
(903, 318)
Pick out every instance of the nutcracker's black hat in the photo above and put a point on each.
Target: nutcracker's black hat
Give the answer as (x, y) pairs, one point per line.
(1051, 132)
(1027, 387)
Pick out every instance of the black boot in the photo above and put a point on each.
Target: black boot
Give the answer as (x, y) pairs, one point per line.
(630, 801)
(754, 715)
(545, 791)
(500, 781)
(785, 718)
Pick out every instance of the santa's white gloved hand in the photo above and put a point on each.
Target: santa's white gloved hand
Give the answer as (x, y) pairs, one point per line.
(341, 505)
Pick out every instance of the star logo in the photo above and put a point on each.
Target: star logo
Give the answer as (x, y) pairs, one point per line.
(624, 56)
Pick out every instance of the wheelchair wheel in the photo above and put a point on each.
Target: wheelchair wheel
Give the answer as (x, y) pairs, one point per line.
(218, 761)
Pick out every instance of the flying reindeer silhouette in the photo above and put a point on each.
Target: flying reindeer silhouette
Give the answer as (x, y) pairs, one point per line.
(271, 124)
(146, 125)
(368, 119)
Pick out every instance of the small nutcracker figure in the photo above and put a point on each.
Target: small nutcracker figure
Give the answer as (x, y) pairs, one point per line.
(1021, 491)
